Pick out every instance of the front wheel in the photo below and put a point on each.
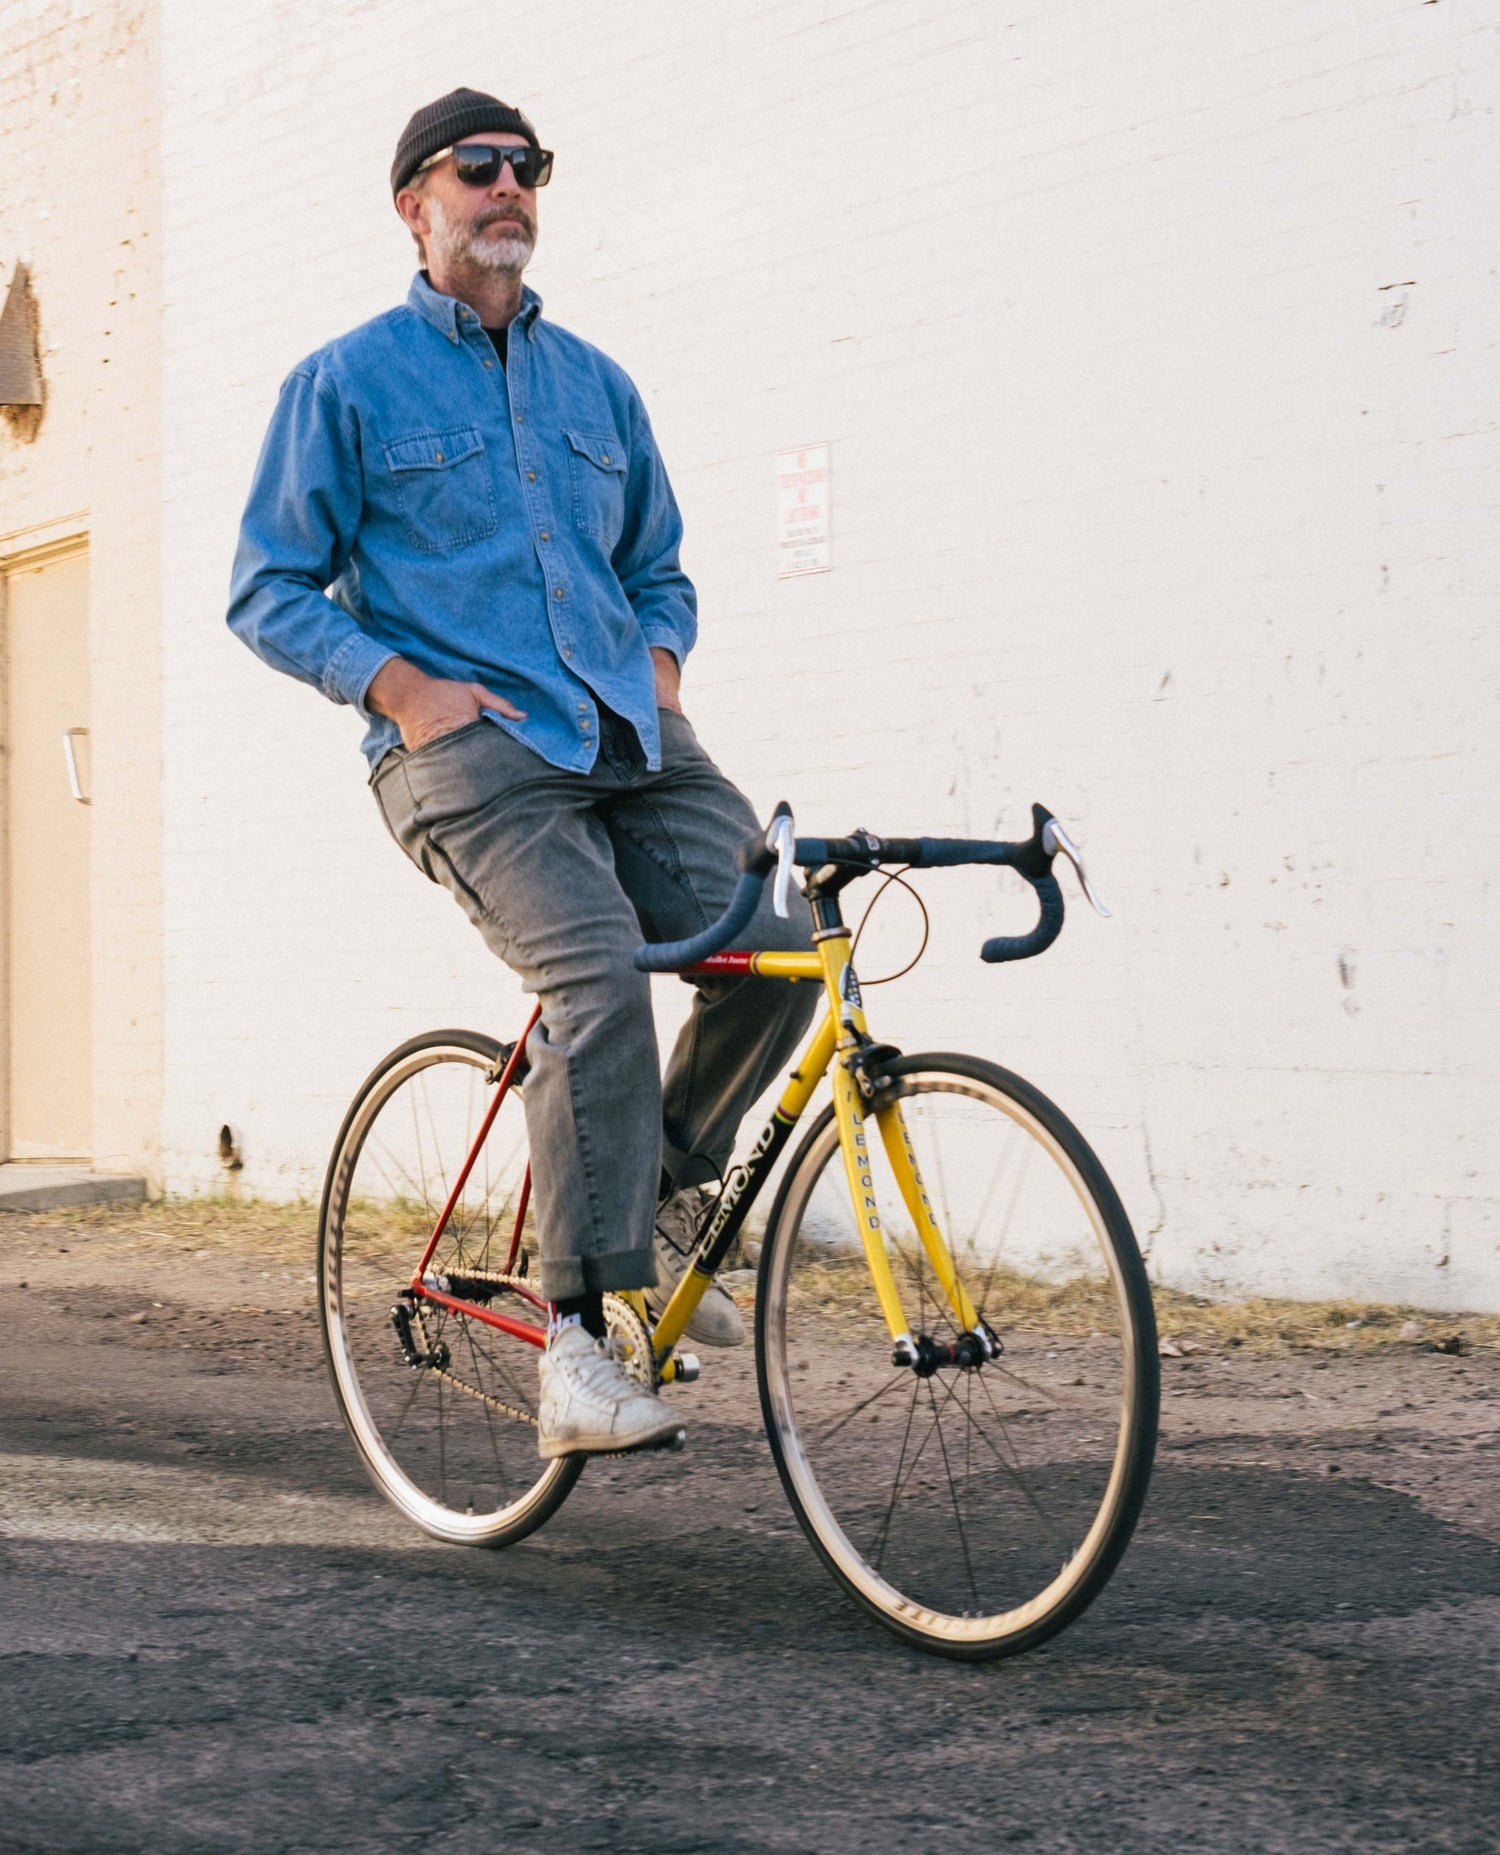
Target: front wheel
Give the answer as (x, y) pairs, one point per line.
(975, 1508)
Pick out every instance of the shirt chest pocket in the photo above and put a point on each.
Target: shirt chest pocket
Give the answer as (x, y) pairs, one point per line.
(443, 488)
(596, 462)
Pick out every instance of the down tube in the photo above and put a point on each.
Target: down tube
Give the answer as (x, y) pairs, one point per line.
(741, 1190)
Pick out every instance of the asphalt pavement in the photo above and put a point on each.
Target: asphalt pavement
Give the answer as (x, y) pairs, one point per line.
(216, 1637)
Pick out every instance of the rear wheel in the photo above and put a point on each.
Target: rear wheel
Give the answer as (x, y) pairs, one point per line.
(975, 1508)
(441, 1405)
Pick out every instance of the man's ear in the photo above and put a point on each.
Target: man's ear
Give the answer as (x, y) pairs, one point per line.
(413, 210)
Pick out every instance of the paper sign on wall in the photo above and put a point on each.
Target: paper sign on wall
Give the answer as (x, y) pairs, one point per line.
(802, 504)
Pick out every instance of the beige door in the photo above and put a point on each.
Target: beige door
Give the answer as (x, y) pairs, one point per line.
(50, 1105)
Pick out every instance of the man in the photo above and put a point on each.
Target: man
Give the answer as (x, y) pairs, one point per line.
(481, 497)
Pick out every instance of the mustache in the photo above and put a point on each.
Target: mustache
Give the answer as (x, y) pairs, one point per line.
(505, 216)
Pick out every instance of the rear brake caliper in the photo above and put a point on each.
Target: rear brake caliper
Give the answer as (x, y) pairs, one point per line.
(502, 1059)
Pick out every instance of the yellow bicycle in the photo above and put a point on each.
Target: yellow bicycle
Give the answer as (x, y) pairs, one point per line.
(954, 1336)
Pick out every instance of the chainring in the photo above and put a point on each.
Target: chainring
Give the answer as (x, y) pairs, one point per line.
(636, 1354)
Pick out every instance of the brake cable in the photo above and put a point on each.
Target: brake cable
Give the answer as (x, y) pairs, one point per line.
(896, 876)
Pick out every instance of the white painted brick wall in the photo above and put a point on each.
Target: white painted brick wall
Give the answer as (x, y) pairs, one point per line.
(1155, 348)
(80, 204)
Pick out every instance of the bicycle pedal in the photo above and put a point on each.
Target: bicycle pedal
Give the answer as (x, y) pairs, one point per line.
(673, 1444)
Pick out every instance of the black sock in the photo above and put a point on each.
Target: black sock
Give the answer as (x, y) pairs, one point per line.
(588, 1308)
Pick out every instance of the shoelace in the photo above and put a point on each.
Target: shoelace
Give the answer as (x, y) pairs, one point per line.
(588, 1369)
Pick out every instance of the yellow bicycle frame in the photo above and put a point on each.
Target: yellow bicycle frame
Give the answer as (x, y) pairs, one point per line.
(837, 1038)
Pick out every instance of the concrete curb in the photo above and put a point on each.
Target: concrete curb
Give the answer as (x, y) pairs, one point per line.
(50, 1188)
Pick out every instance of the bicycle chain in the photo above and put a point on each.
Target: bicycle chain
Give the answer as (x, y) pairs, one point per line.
(473, 1391)
(626, 1319)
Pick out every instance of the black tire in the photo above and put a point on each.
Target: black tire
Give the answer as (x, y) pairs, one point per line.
(453, 1449)
(1044, 1485)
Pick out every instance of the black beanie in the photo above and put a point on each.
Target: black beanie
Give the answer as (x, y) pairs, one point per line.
(449, 120)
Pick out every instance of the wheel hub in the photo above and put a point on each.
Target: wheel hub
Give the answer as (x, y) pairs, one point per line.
(927, 1356)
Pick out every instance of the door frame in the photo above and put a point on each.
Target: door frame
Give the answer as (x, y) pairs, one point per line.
(20, 551)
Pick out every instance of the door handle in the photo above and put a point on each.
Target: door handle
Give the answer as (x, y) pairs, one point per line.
(69, 736)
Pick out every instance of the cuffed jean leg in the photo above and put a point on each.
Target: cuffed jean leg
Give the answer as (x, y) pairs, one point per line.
(593, 1116)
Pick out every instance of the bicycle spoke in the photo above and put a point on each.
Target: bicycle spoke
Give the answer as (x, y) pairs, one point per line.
(442, 1445)
(963, 1538)
(416, 1134)
(437, 1156)
(500, 1363)
(1002, 1370)
(426, 1204)
(968, 1438)
(1015, 1470)
(489, 1416)
(395, 1428)
(1003, 1234)
(942, 1185)
(885, 1525)
(982, 1215)
(920, 1449)
(864, 1404)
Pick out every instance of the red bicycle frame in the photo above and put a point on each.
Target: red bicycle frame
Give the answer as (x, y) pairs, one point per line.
(528, 1331)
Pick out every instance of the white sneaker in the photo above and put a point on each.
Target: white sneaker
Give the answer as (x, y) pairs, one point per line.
(590, 1405)
(716, 1320)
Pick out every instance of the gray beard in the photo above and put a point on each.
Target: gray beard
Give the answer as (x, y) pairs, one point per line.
(460, 248)
(509, 255)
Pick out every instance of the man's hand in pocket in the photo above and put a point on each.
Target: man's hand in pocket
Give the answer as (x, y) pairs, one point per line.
(668, 679)
(425, 708)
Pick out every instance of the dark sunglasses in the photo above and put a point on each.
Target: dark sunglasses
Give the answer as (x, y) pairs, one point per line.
(477, 164)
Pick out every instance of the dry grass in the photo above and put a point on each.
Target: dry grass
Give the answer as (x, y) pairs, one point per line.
(1262, 1324)
(263, 1232)
(1269, 1324)
(282, 1234)
(286, 1234)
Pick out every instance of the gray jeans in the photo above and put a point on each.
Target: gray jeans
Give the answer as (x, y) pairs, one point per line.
(564, 874)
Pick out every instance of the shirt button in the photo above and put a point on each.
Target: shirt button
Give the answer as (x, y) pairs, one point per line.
(584, 726)
(437, 457)
(520, 418)
(545, 535)
(531, 476)
(606, 457)
(567, 650)
(489, 363)
(557, 592)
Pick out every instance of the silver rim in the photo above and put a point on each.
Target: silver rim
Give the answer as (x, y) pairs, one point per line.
(816, 1433)
(356, 1311)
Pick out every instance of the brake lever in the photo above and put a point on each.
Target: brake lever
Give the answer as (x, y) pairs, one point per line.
(782, 838)
(1055, 839)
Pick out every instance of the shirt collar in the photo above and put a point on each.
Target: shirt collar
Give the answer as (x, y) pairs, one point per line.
(443, 311)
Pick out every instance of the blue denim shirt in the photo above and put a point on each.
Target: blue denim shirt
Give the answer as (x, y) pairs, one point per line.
(511, 526)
